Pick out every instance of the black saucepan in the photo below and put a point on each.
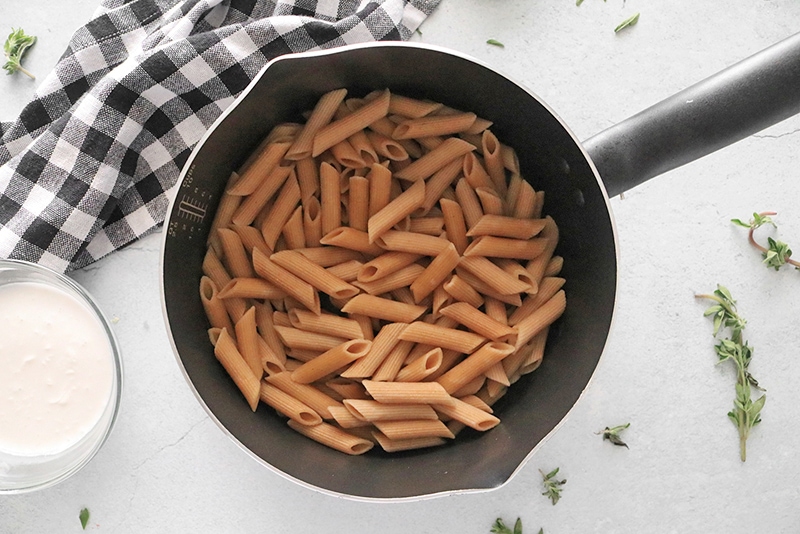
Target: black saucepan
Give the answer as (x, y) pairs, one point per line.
(731, 105)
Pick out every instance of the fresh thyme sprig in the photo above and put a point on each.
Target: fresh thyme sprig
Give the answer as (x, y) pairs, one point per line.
(777, 253)
(501, 528)
(552, 486)
(746, 412)
(14, 48)
(612, 434)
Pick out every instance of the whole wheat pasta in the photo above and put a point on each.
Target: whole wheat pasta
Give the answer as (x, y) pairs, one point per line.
(247, 341)
(491, 203)
(267, 331)
(516, 270)
(484, 289)
(422, 367)
(493, 276)
(312, 222)
(227, 206)
(474, 365)
(413, 428)
(438, 183)
(308, 395)
(390, 366)
(535, 356)
(510, 159)
(426, 225)
(271, 363)
(512, 194)
(251, 238)
(281, 211)
(476, 402)
(470, 205)
(469, 415)
(370, 410)
(235, 257)
(547, 288)
(381, 308)
(538, 206)
(554, 266)
(414, 243)
(387, 147)
(333, 437)
(214, 307)
(496, 309)
(252, 204)
(345, 418)
(294, 286)
(454, 223)
(327, 256)
(434, 125)
(497, 373)
(330, 200)
(253, 174)
(363, 147)
(492, 156)
(397, 445)
(434, 160)
(236, 308)
(331, 360)
(320, 116)
(343, 128)
(402, 278)
(228, 355)
(382, 345)
(315, 275)
(462, 291)
(295, 338)
(347, 271)
(503, 247)
(307, 170)
(396, 210)
(281, 318)
(293, 232)
(448, 338)
(326, 323)
(386, 264)
(288, 405)
(213, 268)
(472, 387)
(350, 238)
(525, 203)
(475, 173)
(346, 155)
(347, 389)
(412, 107)
(540, 318)
(358, 209)
(480, 323)
(408, 392)
(502, 226)
(435, 273)
(549, 235)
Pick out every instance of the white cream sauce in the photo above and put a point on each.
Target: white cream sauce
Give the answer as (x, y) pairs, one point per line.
(56, 369)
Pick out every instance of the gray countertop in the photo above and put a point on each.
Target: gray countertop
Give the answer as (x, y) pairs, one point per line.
(167, 467)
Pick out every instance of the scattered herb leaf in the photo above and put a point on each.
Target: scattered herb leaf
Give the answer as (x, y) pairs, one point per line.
(630, 21)
(84, 517)
(552, 486)
(578, 2)
(612, 434)
(777, 253)
(14, 48)
(501, 528)
(495, 42)
(746, 412)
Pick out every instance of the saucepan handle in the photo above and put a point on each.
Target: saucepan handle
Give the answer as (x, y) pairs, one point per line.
(739, 101)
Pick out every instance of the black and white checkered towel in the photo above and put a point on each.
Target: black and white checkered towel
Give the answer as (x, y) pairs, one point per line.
(89, 165)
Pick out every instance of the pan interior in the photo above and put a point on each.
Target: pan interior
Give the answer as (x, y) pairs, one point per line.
(550, 159)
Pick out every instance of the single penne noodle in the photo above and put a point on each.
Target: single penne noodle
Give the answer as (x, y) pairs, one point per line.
(346, 155)
(469, 415)
(271, 363)
(288, 405)
(541, 318)
(313, 274)
(549, 235)
(434, 160)
(525, 203)
(214, 306)
(437, 184)
(435, 273)
(281, 211)
(358, 208)
(422, 367)
(280, 318)
(300, 356)
(538, 206)
(475, 173)
(476, 402)
(235, 255)
(320, 116)
(381, 308)
(213, 334)
(397, 210)
(474, 140)
(308, 395)
(251, 205)
(403, 294)
(213, 268)
(366, 325)
(228, 355)
(479, 126)
(382, 345)
(390, 366)
(397, 445)
(294, 338)
(510, 159)
(498, 374)
(350, 238)
(484, 289)
(441, 298)
(347, 389)
(386, 264)
(347, 271)
(251, 238)
(402, 278)
(547, 288)
(284, 132)
(454, 223)
(516, 270)
(345, 418)
(370, 410)
(439, 336)
(327, 256)
(236, 308)
(247, 341)
(535, 356)
(407, 392)
(251, 176)
(434, 125)
(227, 206)
(511, 227)
(474, 365)
(312, 222)
(492, 392)
(493, 158)
(307, 170)
(472, 387)
(387, 147)
(326, 323)
(330, 200)
(449, 359)
(333, 437)
(343, 128)
(363, 147)
(554, 266)
(380, 181)
(413, 428)
(267, 331)
(293, 232)
(411, 107)
(491, 202)
(331, 360)
(457, 288)
(479, 322)
(294, 286)
(423, 244)
(470, 205)
(493, 276)
(496, 309)
(514, 186)
(426, 225)
(503, 247)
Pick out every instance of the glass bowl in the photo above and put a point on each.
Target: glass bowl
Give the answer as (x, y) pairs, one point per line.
(72, 386)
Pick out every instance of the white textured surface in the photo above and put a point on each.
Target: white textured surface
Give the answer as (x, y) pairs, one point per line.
(168, 468)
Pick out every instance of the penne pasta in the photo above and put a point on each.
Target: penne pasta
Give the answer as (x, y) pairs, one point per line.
(435, 273)
(396, 210)
(320, 116)
(308, 395)
(469, 415)
(454, 224)
(474, 365)
(397, 445)
(288, 405)
(414, 428)
(502, 247)
(247, 342)
(408, 392)
(331, 360)
(350, 238)
(294, 286)
(434, 160)
(480, 322)
(333, 437)
(328, 324)
(457, 288)
(448, 338)
(343, 128)
(434, 125)
(511, 227)
(493, 276)
(382, 308)
(315, 275)
(425, 245)
(228, 355)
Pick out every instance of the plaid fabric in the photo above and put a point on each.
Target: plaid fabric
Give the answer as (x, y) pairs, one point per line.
(89, 165)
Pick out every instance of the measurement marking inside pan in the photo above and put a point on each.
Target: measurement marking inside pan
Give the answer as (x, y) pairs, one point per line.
(192, 209)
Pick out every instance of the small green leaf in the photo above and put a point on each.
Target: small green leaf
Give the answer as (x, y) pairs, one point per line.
(84, 517)
(739, 222)
(578, 2)
(518, 526)
(495, 42)
(630, 21)
(14, 48)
